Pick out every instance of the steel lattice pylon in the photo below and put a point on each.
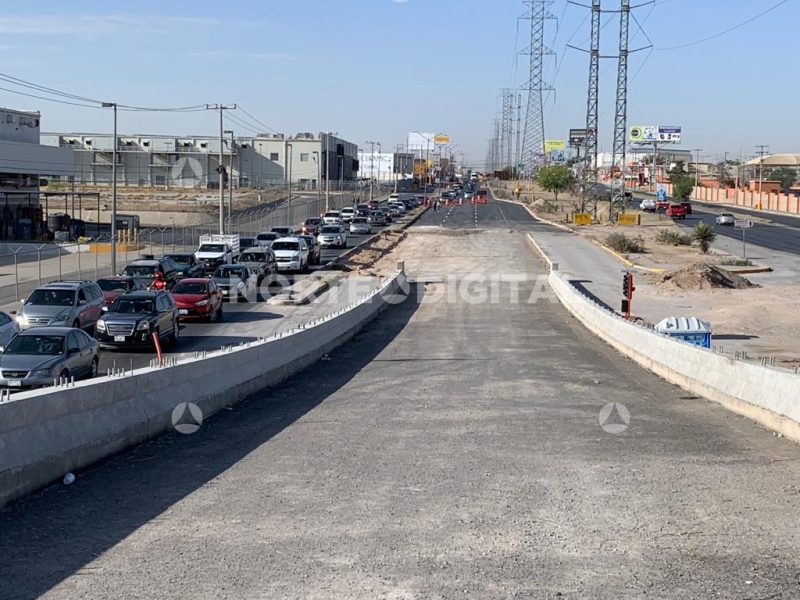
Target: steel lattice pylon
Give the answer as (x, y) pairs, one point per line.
(590, 166)
(507, 128)
(621, 118)
(533, 136)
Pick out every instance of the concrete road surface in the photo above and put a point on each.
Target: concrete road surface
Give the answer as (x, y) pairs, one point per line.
(454, 449)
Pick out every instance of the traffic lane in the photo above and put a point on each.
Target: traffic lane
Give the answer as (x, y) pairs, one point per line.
(496, 214)
(772, 237)
(493, 463)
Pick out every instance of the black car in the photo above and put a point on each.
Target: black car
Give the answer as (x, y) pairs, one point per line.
(314, 255)
(148, 269)
(187, 264)
(133, 318)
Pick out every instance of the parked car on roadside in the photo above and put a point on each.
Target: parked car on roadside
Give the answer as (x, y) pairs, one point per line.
(62, 304)
(198, 298)
(116, 285)
(36, 357)
(360, 226)
(134, 318)
(727, 219)
(333, 236)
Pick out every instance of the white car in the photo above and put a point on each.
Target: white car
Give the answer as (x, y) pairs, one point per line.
(265, 238)
(332, 236)
(291, 254)
(648, 205)
(725, 219)
(360, 226)
(348, 212)
(332, 217)
(401, 208)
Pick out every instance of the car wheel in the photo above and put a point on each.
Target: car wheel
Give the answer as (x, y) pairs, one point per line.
(64, 374)
(95, 368)
(176, 332)
(219, 313)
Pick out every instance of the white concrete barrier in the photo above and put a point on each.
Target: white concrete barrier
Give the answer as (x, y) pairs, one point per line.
(47, 433)
(766, 395)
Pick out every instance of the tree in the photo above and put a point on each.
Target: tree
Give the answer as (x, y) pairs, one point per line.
(555, 179)
(787, 177)
(704, 236)
(682, 186)
(678, 168)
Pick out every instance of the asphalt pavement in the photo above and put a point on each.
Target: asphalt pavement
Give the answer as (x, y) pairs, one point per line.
(453, 449)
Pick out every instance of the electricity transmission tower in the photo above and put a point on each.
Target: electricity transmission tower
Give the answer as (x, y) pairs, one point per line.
(621, 116)
(533, 136)
(507, 128)
(589, 188)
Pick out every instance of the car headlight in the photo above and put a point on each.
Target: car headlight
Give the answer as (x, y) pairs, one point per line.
(41, 373)
(201, 303)
(22, 320)
(101, 325)
(142, 326)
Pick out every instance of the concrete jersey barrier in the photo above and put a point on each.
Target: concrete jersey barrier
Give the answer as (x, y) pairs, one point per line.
(47, 433)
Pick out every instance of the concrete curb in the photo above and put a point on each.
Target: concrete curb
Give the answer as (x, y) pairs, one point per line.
(762, 394)
(296, 297)
(624, 260)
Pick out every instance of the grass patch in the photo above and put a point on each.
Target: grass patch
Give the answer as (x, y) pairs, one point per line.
(673, 238)
(624, 244)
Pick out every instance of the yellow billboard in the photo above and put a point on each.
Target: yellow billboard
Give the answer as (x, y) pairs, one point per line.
(582, 218)
(551, 145)
(441, 138)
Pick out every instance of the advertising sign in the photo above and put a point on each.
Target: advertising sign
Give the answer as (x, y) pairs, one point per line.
(582, 219)
(649, 134)
(550, 145)
(558, 157)
(577, 137)
(441, 138)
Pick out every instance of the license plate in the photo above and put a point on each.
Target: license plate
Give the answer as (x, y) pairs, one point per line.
(14, 383)
(183, 311)
(119, 338)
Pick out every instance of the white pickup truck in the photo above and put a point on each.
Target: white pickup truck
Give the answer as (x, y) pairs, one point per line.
(216, 250)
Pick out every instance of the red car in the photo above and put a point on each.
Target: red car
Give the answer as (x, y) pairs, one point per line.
(198, 298)
(116, 285)
(676, 211)
(481, 197)
(311, 226)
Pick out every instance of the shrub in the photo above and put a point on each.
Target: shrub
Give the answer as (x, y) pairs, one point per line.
(736, 262)
(620, 243)
(673, 238)
(704, 236)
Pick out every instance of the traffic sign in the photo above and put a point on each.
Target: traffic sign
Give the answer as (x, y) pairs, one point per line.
(661, 193)
(742, 224)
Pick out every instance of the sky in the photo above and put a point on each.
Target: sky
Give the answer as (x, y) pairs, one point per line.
(377, 69)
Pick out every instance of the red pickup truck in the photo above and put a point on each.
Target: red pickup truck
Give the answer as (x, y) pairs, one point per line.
(676, 211)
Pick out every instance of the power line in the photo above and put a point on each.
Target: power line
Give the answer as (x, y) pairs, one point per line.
(48, 99)
(721, 33)
(256, 120)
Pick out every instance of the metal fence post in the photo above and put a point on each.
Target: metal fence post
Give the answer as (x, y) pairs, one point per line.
(16, 275)
(80, 275)
(59, 261)
(96, 261)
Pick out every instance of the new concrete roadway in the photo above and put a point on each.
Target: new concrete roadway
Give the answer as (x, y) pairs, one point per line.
(454, 449)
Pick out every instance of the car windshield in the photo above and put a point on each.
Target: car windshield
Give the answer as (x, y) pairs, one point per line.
(359, 220)
(140, 271)
(334, 215)
(52, 298)
(50, 345)
(252, 257)
(212, 248)
(294, 246)
(114, 285)
(247, 242)
(262, 237)
(228, 272)
(312, 221)
(190, 287)
(330, 229)
(132, 306)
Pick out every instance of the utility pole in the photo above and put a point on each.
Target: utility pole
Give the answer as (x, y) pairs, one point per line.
(371, 167)
(230, 182)
(621, 117)
(221, 108)
(517, 149)
(288, 152)
(762, 150)
(697, 166)
(328, 169)
(113, 193)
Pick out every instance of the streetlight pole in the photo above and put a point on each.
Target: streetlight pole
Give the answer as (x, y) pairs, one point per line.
(317, 160)
(289, 151)
(220, 108)
(230, 181)
(697, 167)
(113, 193)
(371, 167)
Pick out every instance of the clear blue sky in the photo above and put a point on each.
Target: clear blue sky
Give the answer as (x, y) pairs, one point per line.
(375, 69)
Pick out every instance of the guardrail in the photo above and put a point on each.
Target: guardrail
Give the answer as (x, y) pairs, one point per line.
(764, 394)
(47, 433)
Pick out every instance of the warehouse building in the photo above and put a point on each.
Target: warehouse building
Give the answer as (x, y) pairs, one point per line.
(385, 167)
(193, 161)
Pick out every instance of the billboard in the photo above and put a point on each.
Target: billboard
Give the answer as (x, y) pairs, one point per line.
(550, 145)
(558, 157)
(649, 134)
(420, 142)
(577, 137)
(441, 138)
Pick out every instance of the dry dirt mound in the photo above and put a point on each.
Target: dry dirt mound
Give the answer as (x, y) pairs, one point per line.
(703, 276)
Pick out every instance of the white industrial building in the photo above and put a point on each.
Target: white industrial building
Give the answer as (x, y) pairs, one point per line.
(23, 163)
(385, 166)
(192, 161)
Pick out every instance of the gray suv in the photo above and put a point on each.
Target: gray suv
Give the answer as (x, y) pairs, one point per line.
(62, 304)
